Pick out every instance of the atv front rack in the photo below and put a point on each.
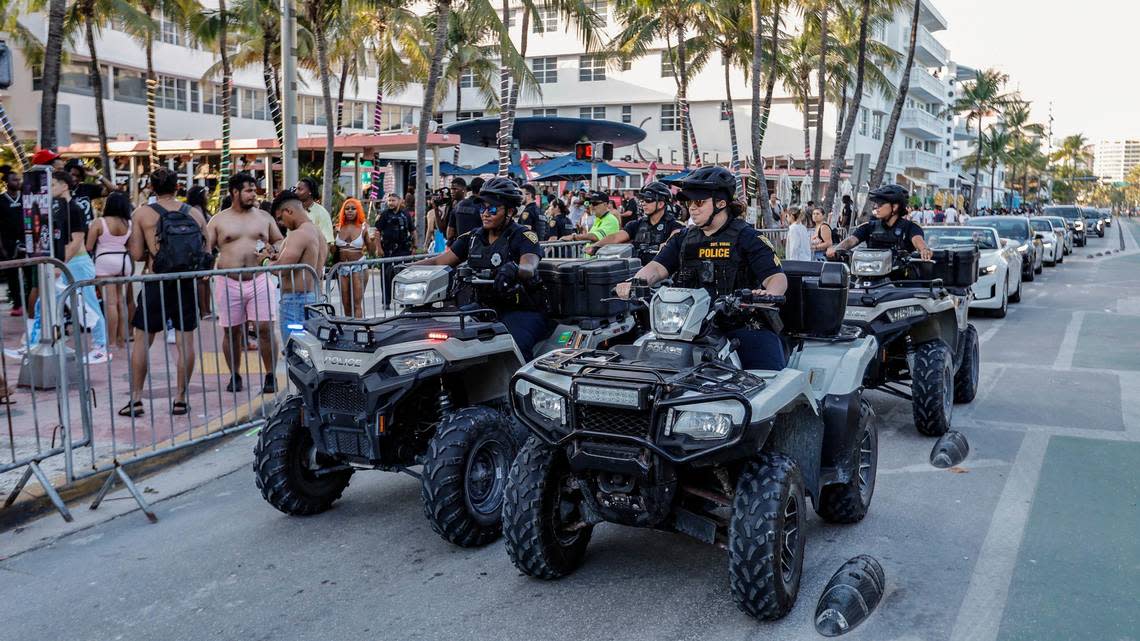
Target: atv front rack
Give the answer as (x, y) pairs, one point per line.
(327, 312)
(599, 364)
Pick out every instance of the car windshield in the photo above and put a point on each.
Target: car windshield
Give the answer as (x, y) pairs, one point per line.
(1057, 221)
(1015, 228)
(940, 238)
(1041, 225)
(1071, 213)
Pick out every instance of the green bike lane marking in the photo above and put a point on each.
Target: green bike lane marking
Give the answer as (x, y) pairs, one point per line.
(1078, 570)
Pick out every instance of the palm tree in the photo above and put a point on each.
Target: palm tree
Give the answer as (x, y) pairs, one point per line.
(52, 60)
(29, 45)
(1072, 151)
(467, 52)
(823, 9)
(799, 60)
(442, 17)
(351, 27)
(728, 25)
(994, 149)
(258, 27)
(980, 99)
(762, 109)
(179, 13)
(320, 14)
(900, 100)
(399, 57)
(1016, 120)
(211, 28)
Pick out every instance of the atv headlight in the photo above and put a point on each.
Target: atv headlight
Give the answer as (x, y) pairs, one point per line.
(669, 318)
(871, 262)
(899, 313)
(548, 404)
(301, 352)
(414, 361)
(410, 293)
(702, 426)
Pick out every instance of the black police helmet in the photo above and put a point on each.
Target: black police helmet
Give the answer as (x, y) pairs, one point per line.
(655, 192)
(501, 192)
(708, 182)
(894, 194)
(596, 196)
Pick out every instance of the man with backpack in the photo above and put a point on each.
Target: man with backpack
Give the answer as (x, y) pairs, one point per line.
(239, 234)
(167, 235)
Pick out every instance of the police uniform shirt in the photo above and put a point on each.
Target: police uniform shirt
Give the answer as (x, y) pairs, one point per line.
(562, 226)
(900, 234)
(530, 218)
(465, 216)
(755, 250)
(395, 229)
(665, 227)
(519, 241)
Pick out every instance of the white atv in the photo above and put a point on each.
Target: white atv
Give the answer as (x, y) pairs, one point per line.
(671, 433)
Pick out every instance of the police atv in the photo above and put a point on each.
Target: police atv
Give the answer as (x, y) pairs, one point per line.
(427, 387)
(670, 433)
(917, 311)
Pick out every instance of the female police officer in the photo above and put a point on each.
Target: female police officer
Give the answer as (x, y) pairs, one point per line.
(889, 229)
(722, 253)
(650, 231)
(511, 252)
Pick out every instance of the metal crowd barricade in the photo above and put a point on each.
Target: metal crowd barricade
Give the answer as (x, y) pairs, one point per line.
(197, 371)
(37, 426)
(362, 288)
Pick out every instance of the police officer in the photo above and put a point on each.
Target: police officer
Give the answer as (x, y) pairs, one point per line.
(652, 229)
(722, 253)
(511, 253)
(531, 216)
(465, 213)
(395, 227)
(560, 224)
(888, 228)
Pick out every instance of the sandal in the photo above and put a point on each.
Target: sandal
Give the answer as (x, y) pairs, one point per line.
(179, 408)
(133, 410)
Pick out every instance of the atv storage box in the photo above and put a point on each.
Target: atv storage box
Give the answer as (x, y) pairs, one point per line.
(816, 298)
(575, 286)
(957, 267)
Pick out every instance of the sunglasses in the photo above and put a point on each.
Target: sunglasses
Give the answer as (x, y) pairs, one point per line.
(697, 204)
(490, 209)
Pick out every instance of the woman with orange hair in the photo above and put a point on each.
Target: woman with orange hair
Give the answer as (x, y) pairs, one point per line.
(352, 240)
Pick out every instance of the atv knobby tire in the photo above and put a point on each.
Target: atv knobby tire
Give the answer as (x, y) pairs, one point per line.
(465, 473)
(766, 537)
(848, 502)
(932, 388)
(966, 379)
(281, 465)
(533, 512)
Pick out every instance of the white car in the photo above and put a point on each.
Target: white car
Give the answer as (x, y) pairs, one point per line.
(1052, 239)
(999, 264)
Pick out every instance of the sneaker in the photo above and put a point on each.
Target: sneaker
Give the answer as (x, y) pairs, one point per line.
(16, 311)
(270, 386)
(97, 356)
(235, 384)
(170, 337)
(15, 352)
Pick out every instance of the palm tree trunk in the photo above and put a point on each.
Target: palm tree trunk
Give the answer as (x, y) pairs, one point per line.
(977, 165)
(514, 97)
(458, 107)
(340, 97)
(735, 166)
(760, 125)
(442, 16)
(900, 101)
(97, 90)
(269, 76)
(377, 117)
(993, 172)
(842, 116)
(227, 94)
(819, 103)
(151, 106)
(504, 137)
(53, 58)
(839, 156)
(807, 128)
(683, 97)
(330, 124)
(10, 136)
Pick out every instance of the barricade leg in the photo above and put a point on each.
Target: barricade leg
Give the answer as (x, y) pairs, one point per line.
(122, 475)
(33, 468)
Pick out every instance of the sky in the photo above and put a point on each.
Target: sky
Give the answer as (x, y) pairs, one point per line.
(1079, 54)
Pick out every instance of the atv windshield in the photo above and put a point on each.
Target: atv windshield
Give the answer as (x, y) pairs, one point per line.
(943, 238)
(1015, 228)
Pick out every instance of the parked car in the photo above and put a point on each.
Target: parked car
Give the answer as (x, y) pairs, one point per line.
(999, 264)
(1052, 239)
(1075, 220)
(1094, 222)
(1066, 229)
(1018, 230)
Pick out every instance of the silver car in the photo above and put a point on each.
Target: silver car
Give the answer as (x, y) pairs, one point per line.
(1067, 231)
(1052, 240)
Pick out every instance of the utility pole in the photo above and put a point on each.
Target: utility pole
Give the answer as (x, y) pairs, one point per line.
(289, 94)
(1050, 156)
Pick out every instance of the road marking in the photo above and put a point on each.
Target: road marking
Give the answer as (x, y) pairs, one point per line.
(1069, 343)
(980, 615)
(989, 333)
(972, 423)
(1130, 402)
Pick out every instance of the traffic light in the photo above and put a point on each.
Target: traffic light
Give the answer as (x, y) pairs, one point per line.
(594, 151)
(584, 151)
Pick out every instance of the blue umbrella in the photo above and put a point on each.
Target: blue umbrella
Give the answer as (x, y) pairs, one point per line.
(569, 168)
(492, 167)
(677, 176)
(449, 169)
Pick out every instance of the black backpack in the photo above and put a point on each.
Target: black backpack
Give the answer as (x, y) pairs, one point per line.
(181, 243)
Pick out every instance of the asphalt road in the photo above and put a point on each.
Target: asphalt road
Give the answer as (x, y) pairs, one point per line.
(1032, 538)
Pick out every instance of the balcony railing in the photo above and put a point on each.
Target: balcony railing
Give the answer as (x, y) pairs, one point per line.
(930, 52)
(919, 159)
(961, 133)
(921, 82)
(922, 124)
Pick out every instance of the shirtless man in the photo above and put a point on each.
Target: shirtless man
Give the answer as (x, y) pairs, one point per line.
(173, 301)
(305, 245)
(238, 234)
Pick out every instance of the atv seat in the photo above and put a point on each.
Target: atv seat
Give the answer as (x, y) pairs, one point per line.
(816, 298)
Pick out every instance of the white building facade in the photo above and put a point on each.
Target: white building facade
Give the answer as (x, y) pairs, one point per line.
(1113, 159)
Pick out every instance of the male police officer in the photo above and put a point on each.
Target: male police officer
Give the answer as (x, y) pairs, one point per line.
(395, 227)
(531, 216)
(888, 228)
(722, 253)
(651, 230)
(512, 253)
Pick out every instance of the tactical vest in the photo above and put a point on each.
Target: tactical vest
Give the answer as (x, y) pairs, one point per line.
(650, 234)
(481, 256)
(883, 237)
(714, 263)
(395, 233)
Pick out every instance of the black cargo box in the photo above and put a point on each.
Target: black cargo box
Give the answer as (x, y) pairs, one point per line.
(575, 287)
(957, 267)
(816, 298)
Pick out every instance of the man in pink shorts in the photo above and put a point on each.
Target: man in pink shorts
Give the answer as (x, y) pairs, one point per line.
(238, 234)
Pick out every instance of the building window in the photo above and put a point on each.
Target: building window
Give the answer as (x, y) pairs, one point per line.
(627, 113)
(545, 21)
(591, 68)
(592, 113)
(359, 115)
(545, 70)
(864, 120)
(253, 104)
(195, 106)
(468, 115)
(312, 111)
(467, 79)
(626, 65)
(74, 78)
(877, 128)
(130, 86)
(512, 18)
(725, 110)
(544, 113)
(170, 32)
(666, 65)
(670, 117)
(171, 93)
(600, 7)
